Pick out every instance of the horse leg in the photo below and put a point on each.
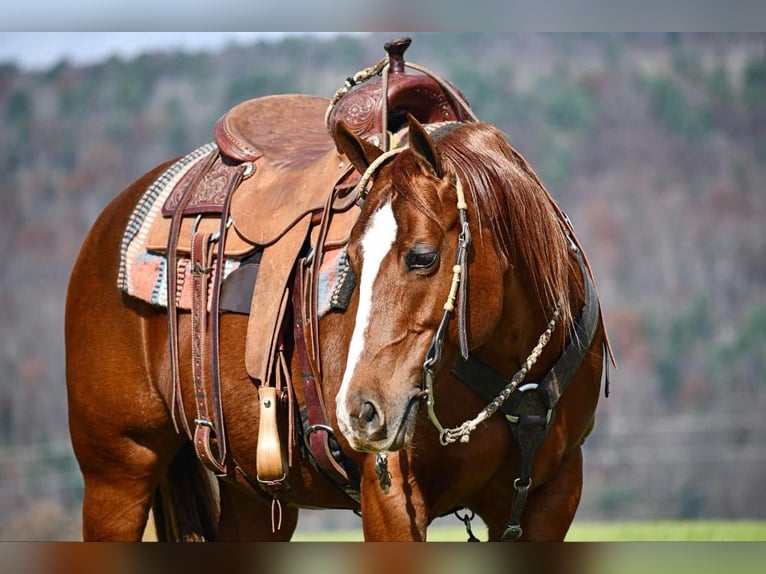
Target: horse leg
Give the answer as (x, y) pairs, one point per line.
(245, 517)
(119, 486)
(120, 429)
(550, 509)
(121, 433)
(399, 515)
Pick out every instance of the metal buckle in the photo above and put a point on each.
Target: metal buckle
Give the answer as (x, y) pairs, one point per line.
(514, 420)
(512, 533)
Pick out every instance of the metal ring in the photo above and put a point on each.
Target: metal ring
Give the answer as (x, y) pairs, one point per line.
(465, 515)
(312, 429)
(528, 387)
(518, 486)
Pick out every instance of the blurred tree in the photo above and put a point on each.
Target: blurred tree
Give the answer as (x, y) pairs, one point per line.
(754, 83)
(176, 133)
(675, 113)
(19, 113)
(261, 82)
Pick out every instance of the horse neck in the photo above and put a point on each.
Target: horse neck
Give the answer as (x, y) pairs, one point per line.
(524, 318)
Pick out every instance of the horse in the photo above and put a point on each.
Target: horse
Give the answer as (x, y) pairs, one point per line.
(526, 284)
(473, 296)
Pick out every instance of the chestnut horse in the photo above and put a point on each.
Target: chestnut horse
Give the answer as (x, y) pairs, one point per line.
(392, 376)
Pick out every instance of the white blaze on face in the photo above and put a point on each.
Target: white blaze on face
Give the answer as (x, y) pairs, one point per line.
(376, 243)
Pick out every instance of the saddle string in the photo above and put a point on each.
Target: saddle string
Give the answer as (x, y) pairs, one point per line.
(359, 78)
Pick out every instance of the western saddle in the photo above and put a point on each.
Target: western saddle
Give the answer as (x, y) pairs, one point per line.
(277, 194)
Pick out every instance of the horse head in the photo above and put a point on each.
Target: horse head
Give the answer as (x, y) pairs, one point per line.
(404, 250)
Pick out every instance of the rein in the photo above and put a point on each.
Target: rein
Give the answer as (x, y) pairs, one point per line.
(462, 432)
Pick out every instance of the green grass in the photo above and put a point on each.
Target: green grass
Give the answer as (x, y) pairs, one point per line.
(665, 531)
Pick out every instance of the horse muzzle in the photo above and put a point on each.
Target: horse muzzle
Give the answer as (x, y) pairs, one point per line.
(370, 427)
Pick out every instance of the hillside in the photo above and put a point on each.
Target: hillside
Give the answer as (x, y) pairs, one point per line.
(655, 146)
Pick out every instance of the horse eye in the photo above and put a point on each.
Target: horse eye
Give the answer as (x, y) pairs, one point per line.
(415, 260)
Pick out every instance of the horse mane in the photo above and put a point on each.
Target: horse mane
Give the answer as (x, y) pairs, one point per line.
(513, 205)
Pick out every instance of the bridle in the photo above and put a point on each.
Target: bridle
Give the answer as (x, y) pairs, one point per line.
(530, 413)
(458, 294)
(462, 432)
(459, 281)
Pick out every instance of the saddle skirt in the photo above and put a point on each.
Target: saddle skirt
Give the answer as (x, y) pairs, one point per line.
(143, 269)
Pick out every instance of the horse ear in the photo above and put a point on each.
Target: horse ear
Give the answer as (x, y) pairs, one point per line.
(424, 148)
(360, 153)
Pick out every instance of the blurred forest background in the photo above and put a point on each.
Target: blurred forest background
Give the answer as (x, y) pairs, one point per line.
(654, 144)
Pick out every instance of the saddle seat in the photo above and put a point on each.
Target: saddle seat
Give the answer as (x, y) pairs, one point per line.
(296, 166)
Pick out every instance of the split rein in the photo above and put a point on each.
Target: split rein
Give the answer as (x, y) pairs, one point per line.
(462, 432)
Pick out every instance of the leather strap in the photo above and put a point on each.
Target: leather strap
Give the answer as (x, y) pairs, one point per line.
(316, 262)
(171, 394)
(319, 247)
(207, 433)
(319, 432)
(215, 315)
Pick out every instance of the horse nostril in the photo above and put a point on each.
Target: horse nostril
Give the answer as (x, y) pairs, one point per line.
(368, 413)
(370, 422)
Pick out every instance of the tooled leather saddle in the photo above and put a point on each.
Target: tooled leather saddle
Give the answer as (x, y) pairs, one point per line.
(276, 194)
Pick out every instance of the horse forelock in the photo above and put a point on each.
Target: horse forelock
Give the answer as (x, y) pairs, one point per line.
(414, 187)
